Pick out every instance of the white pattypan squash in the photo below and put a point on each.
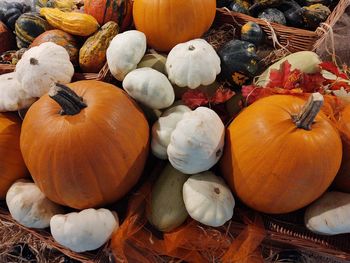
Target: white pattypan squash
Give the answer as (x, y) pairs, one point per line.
(197, 142)
(150, 87)
(163, 128)
(124, 52)
(29, 206)
(12, 95)
(329, 215)
(42, 66)
(208, 199)
(84, 231)
(192, 64)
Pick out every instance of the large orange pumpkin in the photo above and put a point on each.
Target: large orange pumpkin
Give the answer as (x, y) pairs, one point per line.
(12, 166)
(119, 11)
(276, 164)
(342, 181)
(168, 23)
(87, 150)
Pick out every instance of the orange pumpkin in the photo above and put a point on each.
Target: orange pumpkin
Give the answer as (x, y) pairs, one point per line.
(276, 158)
(85, 146)
(12, 166)
(119, 11)
(342, 181)
(168, 23)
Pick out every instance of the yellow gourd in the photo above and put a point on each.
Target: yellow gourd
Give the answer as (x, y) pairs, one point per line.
(71, 22)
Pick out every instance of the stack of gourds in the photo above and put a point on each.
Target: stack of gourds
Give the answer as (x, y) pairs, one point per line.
(85, 37)
(85, 144)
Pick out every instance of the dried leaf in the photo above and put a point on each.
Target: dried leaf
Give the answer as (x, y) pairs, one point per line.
(311, 82)
(278, 77)
(340, 85)
(332, 68)
(195, 98)
(253, 93)
(222, 95)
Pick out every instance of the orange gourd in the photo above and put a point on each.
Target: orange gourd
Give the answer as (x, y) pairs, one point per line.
(342, 181)
(86, 145)
(119, 11)
(12, 166)
(281, 156)
(62, 39)
(168, 23)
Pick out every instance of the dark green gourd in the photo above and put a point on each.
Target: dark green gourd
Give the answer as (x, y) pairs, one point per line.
(239, 61)
(28, 27)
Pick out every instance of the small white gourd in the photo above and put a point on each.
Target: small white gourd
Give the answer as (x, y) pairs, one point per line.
(84, 231)
(192, 64)
(208, 199)
(163, 128)
(124, 52)
(12, 95)
(29, 206)
(150, 87)
(330, 214)
(197, 142)
(42, 66)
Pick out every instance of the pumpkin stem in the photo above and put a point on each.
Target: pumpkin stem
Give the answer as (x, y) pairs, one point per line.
(309, 112)
(191, 47)
(69, 101)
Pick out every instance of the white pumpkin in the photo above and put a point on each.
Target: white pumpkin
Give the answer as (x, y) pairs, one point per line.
(197, 142)
(12, 95)
(150, 87)
(192, 64)
(124, 52)
(42, 66)
(29, 206)
(163, 128)
(330, 214)
(84, 231)
(208, 199)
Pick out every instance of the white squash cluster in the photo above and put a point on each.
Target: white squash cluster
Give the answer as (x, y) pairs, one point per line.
(35, 72)
(84, 231)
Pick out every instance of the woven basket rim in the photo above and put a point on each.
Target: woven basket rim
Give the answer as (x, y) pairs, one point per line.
(261, 22)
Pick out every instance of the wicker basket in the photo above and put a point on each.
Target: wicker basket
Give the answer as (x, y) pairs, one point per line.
(294, 39)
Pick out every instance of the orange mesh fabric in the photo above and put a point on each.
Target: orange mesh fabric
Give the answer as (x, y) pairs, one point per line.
(136, 241)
